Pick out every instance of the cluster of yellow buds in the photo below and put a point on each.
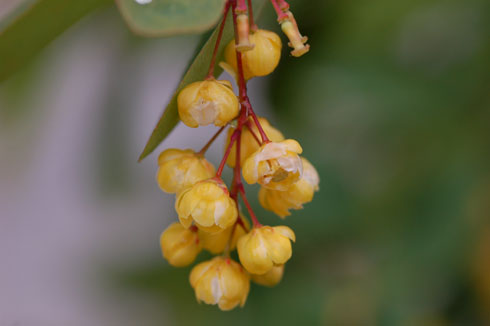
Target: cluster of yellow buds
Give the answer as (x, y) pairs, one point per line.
(210, 214)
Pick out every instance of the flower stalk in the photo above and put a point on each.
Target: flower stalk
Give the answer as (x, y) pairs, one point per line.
(210, 74)
(278, 5)
(253, 26)
(211, 141)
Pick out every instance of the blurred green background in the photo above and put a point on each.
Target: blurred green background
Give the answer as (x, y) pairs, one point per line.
(392, 105)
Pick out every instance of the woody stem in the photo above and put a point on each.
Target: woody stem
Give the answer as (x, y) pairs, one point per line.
(210, 74)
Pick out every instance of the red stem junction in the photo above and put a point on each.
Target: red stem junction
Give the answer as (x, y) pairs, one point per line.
(246, 110)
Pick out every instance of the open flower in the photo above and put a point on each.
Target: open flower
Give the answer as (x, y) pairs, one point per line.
(265, 247)
(179, 245)
(220, 281)
(299, 193)
(271, 278)
(261, 60)
(179, 169)
(216, 242)
(208, 204)
(207, 102)
(275, 165)
(249, 143)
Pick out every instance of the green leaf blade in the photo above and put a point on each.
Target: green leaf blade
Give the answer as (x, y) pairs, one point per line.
(197, 71)
(154, 18)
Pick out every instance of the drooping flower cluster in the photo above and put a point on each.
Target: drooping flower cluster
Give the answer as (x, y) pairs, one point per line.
(209, 212)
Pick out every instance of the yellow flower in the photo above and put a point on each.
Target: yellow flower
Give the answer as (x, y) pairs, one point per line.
(180, 246)
(259, 61)
(220, 281)
(299, 193)
(208, 204)
(248, 143)
(271, 278)
(179, 169)
(275, 165)
(216, 242)
(264, 247)
(205, 102)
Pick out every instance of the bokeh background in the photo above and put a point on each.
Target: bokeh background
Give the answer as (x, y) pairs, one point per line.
(392, 105)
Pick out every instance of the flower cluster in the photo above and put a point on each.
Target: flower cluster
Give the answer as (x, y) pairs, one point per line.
(210, 213)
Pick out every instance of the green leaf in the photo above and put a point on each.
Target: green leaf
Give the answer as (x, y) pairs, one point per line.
(169, 17)
(196, 71)
(33, 24)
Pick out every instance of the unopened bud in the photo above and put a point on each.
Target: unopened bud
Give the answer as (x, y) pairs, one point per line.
(260, 61)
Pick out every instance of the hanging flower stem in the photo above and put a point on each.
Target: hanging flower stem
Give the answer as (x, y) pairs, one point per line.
(249, 126)
(241, 7)
(281, 15)
(255, 221)
(233, 138)
(283, 5)
(242, 85)
(245, 111)
(210, 74)
(210, 142)
(253, 26)
(251, 112)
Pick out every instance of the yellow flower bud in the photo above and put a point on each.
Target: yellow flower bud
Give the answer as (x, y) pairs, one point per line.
(216, 243)
(264, 247)
(248, 143)
(208, 204)
(259, 61)
(180, 246)
(220, 281)
(299, 193)
(179, 169)
(275, 165)
(205, 102)
(271, 278)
